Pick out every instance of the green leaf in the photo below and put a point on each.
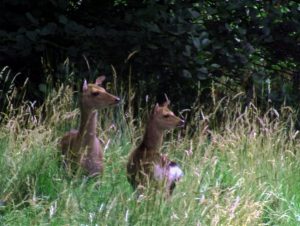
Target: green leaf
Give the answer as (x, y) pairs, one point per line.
(203, 35)
(187, 51)
(32, 19)
(195, 14)
(62, 19)
(205, 42)
(203, 70)
(154, 28)
(48, 29)
(215, 66)
(186, 74)
(32, 35)
(152, 46)
(196, 42)
(43, 87)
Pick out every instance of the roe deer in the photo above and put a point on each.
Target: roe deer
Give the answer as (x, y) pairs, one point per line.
(82, 147)
(146, 163)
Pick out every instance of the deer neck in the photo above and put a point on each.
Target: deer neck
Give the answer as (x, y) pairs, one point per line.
(153, 137)
(88, 123)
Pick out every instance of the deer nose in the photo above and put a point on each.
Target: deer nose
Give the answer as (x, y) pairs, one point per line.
(181, 123)
(117, 100)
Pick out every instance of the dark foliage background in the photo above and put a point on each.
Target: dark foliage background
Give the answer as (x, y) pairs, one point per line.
(178, 47)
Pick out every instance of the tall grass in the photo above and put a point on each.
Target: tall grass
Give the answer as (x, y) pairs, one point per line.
(242, 172)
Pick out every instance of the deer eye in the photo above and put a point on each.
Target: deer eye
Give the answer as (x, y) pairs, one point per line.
(166, 116)
(96, 94)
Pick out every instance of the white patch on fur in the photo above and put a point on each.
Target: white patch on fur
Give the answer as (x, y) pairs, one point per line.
(172, 173)
(159, 172)
(175, 173)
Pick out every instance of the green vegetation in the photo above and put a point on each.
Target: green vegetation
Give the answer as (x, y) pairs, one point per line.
(185, 45)
(230, 68)
(243, 172)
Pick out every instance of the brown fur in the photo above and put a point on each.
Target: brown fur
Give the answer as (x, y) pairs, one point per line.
(142, 159)
(82, 147)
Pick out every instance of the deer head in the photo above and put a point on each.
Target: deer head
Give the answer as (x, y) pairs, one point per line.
(94, 96)
(164, 118)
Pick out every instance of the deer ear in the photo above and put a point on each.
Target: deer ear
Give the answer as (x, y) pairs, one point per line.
(84, 86)
(156, 108)
(99, 80)
(167, 101)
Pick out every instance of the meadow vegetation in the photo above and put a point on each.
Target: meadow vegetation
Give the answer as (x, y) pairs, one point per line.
(241, 166)
(231, 70)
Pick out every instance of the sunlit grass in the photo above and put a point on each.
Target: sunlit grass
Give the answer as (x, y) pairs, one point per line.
(244, 172)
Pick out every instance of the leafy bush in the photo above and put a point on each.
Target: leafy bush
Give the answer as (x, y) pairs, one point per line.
(180, 47)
